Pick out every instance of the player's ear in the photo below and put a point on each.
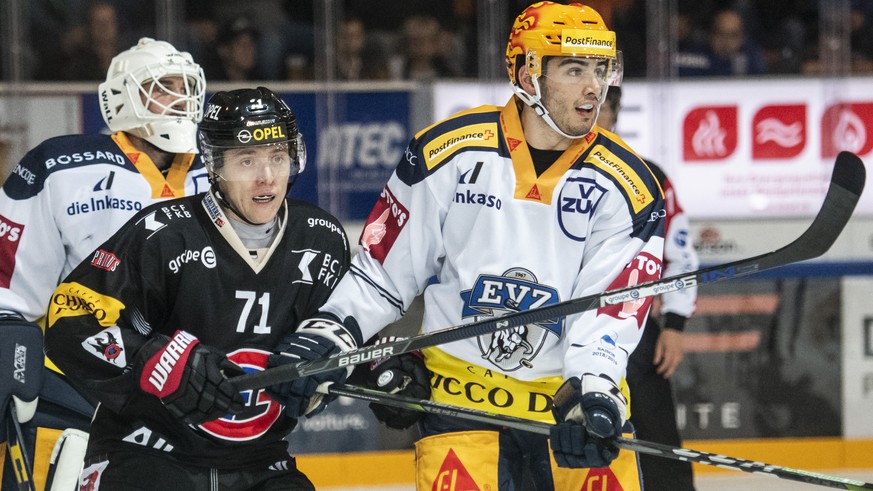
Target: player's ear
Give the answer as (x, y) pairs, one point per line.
(525, 81)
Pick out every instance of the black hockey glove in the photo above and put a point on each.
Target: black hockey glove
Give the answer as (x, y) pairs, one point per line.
(589, 415)
(191, 379)
(404, 375)
(314, 339)
(21, 356)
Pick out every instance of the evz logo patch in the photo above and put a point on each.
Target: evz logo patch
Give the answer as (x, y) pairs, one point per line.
(108, 346)
(260, 411)
(494, 296)
(577, 201)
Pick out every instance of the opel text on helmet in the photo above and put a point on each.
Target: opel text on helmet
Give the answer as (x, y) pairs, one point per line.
(251, 119)
(549, 29)
(155, 92)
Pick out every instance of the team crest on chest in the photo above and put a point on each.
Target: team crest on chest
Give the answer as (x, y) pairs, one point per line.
(495, 296)
(260, 411)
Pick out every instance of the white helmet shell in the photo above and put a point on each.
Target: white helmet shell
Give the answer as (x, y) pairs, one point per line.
(133, 80)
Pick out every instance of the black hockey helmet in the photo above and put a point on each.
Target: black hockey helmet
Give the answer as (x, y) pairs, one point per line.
(246, 118)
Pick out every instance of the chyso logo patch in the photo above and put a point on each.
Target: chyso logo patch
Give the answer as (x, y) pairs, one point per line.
(627, 178)
(476, 135)
(74, 299)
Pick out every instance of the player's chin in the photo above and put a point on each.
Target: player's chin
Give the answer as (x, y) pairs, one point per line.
(263, 209)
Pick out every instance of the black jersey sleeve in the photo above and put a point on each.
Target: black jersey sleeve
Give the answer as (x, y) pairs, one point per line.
(101, 315)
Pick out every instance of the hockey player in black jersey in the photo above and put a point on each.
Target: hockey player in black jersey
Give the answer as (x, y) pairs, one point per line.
(191, 292)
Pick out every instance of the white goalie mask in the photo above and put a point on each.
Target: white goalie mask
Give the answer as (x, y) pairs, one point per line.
(129, 96)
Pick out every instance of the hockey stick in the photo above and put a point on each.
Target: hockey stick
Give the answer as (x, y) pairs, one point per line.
(630, 444)
(17, 452)
(847, 182)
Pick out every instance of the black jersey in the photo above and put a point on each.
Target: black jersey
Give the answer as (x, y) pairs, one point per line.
(178, 265)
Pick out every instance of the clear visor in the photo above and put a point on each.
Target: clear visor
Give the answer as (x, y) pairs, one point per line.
(271, 161)
(582, 71)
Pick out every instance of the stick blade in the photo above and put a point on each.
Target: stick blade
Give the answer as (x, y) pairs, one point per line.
(847, 183)
(849, 173)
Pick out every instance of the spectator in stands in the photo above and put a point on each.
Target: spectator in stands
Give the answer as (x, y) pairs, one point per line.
(861, 35)
(422, 56)
(356, 58)
(201, 30)
(48, 21)
(93, 45)
(283, 30)
(730, 50)
(824, 54)
(783, 33)
(237, 52)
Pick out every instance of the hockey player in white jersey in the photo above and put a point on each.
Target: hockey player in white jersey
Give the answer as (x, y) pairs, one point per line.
(70, 193)
(501, 209)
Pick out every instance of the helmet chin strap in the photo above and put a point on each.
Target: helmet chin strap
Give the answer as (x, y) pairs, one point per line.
(536, 102)
(216, 189)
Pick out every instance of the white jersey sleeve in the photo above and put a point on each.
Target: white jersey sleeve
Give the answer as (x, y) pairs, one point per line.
(67, 196)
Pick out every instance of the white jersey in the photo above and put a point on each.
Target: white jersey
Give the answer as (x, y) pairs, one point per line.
(466, 216)
(66, 197)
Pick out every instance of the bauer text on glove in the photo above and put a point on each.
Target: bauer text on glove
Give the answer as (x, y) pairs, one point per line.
(314, 339)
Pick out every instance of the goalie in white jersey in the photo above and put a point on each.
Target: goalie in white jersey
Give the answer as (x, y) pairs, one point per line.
(500, 209)
(70, 193)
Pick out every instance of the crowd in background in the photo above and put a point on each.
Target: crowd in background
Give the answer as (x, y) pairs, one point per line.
(418, 39)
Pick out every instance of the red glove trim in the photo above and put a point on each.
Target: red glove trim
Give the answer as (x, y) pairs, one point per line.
(163, 372)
